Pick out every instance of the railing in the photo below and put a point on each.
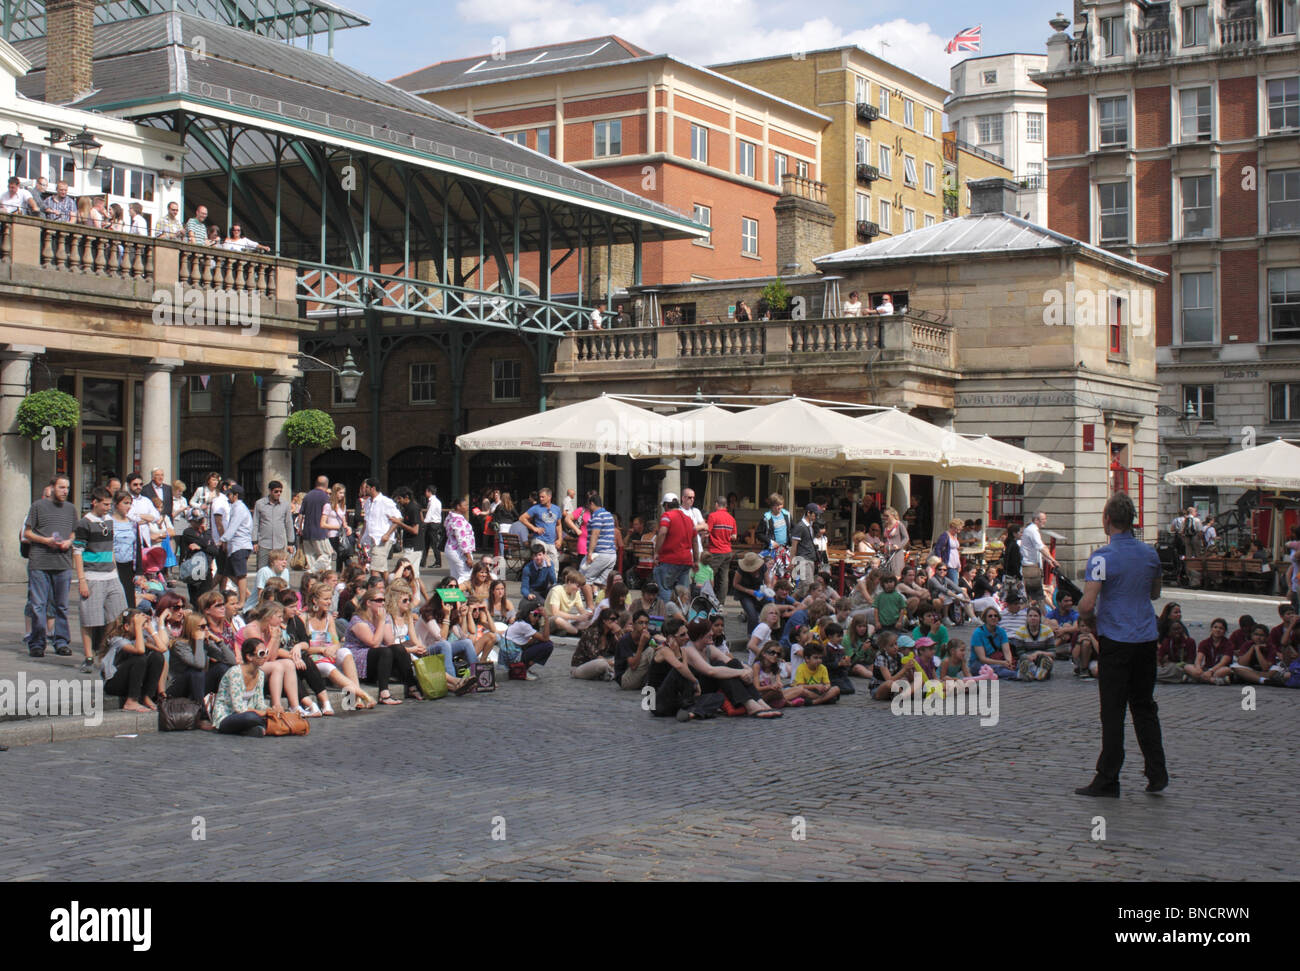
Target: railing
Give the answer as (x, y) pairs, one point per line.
(797, 185)
(1243, 30)
(867, 173)
(982, 153)
(225, 270)
(1154, 41)
(100, 252)
(867, 112)
(629, 344)
(721, 340)
(830, 336)
(1080, 50)
(867, 229)
(1033, 181)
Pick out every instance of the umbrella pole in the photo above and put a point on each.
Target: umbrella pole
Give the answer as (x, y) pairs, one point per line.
(889, 487)
(789, 488)
(602, 478)
(758, 500)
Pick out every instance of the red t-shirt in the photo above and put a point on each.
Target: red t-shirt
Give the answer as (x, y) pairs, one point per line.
(722, 527)
(678, 547)
(1215, 654)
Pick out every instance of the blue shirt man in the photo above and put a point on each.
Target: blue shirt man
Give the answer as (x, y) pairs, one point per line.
(538, 575)
(543, 517)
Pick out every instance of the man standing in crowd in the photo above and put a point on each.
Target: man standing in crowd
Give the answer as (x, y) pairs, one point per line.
(315, 540)
(697, 519)
(674, 547)
(433, 538)
(157, 488)
(601, 551)
(541, 520)
(409, 528)
(570, 503)
(272, 524)
(803, 536)
(18, 200)
(50, 528)
(170, 226)
(722, 530)
(196, 229)
(102, 596)
(237, 538)
(1121, 580)
(382, 518)
(1034, 558)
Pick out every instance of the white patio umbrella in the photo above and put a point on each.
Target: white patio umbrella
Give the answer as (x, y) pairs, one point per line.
(962, 458)
(1032, 461)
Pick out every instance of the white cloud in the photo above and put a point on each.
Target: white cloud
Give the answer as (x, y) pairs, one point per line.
(725, 30)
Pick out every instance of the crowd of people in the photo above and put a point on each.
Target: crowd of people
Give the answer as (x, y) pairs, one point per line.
(245, 637)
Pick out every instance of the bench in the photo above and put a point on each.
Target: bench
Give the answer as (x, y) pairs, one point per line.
(514, 553)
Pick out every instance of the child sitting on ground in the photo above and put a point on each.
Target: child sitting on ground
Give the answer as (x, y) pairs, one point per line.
(812, 679)
(768, 680)
(858, 647)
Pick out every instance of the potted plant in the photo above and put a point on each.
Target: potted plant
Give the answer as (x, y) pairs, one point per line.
(310, 428)
(47, 409)
(776, 295)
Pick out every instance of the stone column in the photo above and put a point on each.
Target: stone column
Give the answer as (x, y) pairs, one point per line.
(566, 474)
(672, 480)
(15, 458)
(276, 455)
(157, 421)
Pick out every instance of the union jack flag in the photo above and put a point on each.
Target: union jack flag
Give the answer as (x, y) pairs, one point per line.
(966, 40)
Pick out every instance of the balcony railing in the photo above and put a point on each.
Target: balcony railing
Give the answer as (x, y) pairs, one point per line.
(1080, 50)
(867, 112)
(893, 340)
(867, 229)
(797, 185)
(1032, 181)
(982, 153)
(1154, 41)
(867, 173)
(1234, 33)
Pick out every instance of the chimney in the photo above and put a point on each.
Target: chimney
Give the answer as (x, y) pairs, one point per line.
(804, 225)
(993, 196)
(69, 49)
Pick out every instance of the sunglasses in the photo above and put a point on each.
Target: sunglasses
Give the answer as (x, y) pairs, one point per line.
(262, 654)
(376, 600)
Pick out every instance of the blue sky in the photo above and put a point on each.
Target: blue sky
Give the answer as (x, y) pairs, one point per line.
(405, 35)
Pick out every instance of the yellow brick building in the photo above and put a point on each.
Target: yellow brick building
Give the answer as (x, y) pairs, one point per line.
(963, 164)
(882, 154)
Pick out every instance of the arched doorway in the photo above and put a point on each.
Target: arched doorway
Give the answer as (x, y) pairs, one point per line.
(347, 466)
(196, 465)
(249, 475)
(419, 466)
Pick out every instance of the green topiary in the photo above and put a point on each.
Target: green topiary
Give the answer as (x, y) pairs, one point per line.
(777, 295)
(311, 428)
(46, 409)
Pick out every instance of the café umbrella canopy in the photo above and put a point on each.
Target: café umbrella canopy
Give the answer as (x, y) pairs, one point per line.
(963, 459)
(1032, 462)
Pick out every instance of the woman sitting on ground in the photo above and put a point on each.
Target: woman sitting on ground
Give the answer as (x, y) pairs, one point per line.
(1176, 653)
(405, 622)
(323, 649)
(1034, 645)
(499, 607)
(373, 645)
(221, 634)
(1172, 614)
(528, 639)
(717, 672)
(1258, 662)
(615, 602)
(931, 625)
(240, 700)
(438, 634)
(674, 685)
(593, 658)
(188, 665)
(479, 583)
(770, 681)
(284, 661)
(133, 657)
(1084, 654)
(990, 645)
(406, 573)
(768, 628)
(1214, 656)
(913, 590)
(858, 647)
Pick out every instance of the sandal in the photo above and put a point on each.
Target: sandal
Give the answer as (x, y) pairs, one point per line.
(767, 713)
(414, 694)
(328, 708)
(389, 700)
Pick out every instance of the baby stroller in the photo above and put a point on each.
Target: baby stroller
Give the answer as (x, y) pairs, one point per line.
(704, 604)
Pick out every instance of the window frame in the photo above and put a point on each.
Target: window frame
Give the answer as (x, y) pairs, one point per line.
(501, 381)
(1117, 127)
(884, 210)
(1200, 19)
(909, 219)
(884, 101)
(431, 381)
(745, 236)
(929, 182)
(746, 150)
(198, 399)
(862, 149)
(886, 165)
(1197, 393)
(1291, 398)
(699, 144)
(909, 114)
(544, 135)
(929, 122)
(989, 77)
(1208, 114)
(929, 220)
(981, 121)
(1293, 199)
(611, 126)
(909, 171)
(696, 210)
(1291, 294)
(1110, 30)
(1118, 330)
(1289, 104)
(1102, 213)
(1034, 120)
(861, 90)
(861, 204)
(1184, 209)
(1201, 277)
(780, 166)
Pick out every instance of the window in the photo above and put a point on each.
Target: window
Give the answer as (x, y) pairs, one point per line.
(1198, 206)
(884, 216)
(1007, 499)
(1284, 104)
(884, 101)
(704, 216)
(1284, 402)
(1112, 198)
(127, 183)
(748, 236)
(1196, 26)
(507, 384)
(989, 129)
(699, 144)
(199, 395)
(780, 164)
(1113, 34)
(1198, 307)
(929, 122)
(608, 138)
(1284, 304)
(32, 163)
(1117, 325)
(1195, 114)
(862, 149)
(544, 141)
(1034, 126)
(748, 153)
(909, 170)
(1283, 200)
(862, 207)
(929, 220)
(990, 77)
(423, 383)
(801, 168)
(860, 92)
(1112, 121)
(909, 220)
(1281, 17)
(518, 137)
(886, 168)
(1198, 400)
(909, 113)
(1034, 176)
(929, 177)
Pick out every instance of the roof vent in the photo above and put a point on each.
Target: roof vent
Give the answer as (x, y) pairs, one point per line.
(992, 196)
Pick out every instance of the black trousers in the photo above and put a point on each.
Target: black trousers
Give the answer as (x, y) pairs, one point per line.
(673, 694)
(136, 677)
(382, 662)
(733, 689)
(126, 576)
(433, 540)
(1126, 678)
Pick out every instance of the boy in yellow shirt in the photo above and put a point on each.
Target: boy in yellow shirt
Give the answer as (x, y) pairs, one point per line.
(813, 678)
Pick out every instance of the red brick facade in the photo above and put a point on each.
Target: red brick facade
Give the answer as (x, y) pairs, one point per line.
(1067, 127)
(1069, 210)
(1238, 109)
(1237, 205)
(1238, 300)
(1153, 201)
(1152, 118)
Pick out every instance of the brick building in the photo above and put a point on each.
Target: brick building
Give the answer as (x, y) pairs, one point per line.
(1172, 139)
(704, 144)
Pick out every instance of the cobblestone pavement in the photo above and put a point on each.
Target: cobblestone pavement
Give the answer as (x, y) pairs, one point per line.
(579, 782)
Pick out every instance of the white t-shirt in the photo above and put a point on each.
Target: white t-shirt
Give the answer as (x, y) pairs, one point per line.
(220, 507)
(433, 514)
(597, 318)
(886, 307)
(520, 632)
(139, 225)
(1031, 544)
(20, 201)
(852, 308)
(764, 634)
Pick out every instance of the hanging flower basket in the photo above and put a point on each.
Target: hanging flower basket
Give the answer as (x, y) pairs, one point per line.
(47, 409)
(311, 428)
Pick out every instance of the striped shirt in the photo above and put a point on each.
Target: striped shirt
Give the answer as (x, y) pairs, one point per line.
(603, 520)
(93, 543)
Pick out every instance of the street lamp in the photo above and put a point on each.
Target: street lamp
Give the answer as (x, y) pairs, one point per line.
(85, 150)
(1189, 423)
(349, 378)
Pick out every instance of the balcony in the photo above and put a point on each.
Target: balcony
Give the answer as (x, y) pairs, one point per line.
(1154, 42)
(649, 354)
(1032, 181)
(867, 173)
(867, 229)
(1239, 32)
(867, 112)
(1080, 50)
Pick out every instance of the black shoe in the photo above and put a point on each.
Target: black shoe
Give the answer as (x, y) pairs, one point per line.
(1158, 785)
(39, 653)
(63, 651)
(1093, 789)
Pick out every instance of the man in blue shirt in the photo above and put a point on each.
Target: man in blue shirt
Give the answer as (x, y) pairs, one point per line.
(541, 520)
(602, 552)
(1122, 579)
(537, 576)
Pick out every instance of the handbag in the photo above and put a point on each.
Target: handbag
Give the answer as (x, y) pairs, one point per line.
(485, 676)
(178, 715)
(286, 723)
(299, 559)
(431, 675)
(345, 544)
(518, 671)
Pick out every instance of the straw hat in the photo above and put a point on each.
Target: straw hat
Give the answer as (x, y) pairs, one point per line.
(750, 562)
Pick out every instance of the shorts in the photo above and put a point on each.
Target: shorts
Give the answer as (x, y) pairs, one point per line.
(329, 667)
(598, 567)
(379, 557)
(107, 601)
(238, 560)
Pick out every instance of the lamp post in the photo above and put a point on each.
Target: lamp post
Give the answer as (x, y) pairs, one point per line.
(1189, 422)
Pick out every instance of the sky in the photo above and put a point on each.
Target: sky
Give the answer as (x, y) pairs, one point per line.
(405, 35)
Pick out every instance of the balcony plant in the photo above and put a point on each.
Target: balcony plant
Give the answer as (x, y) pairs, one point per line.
(776, 296)
(47, 409)
(310, 428)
